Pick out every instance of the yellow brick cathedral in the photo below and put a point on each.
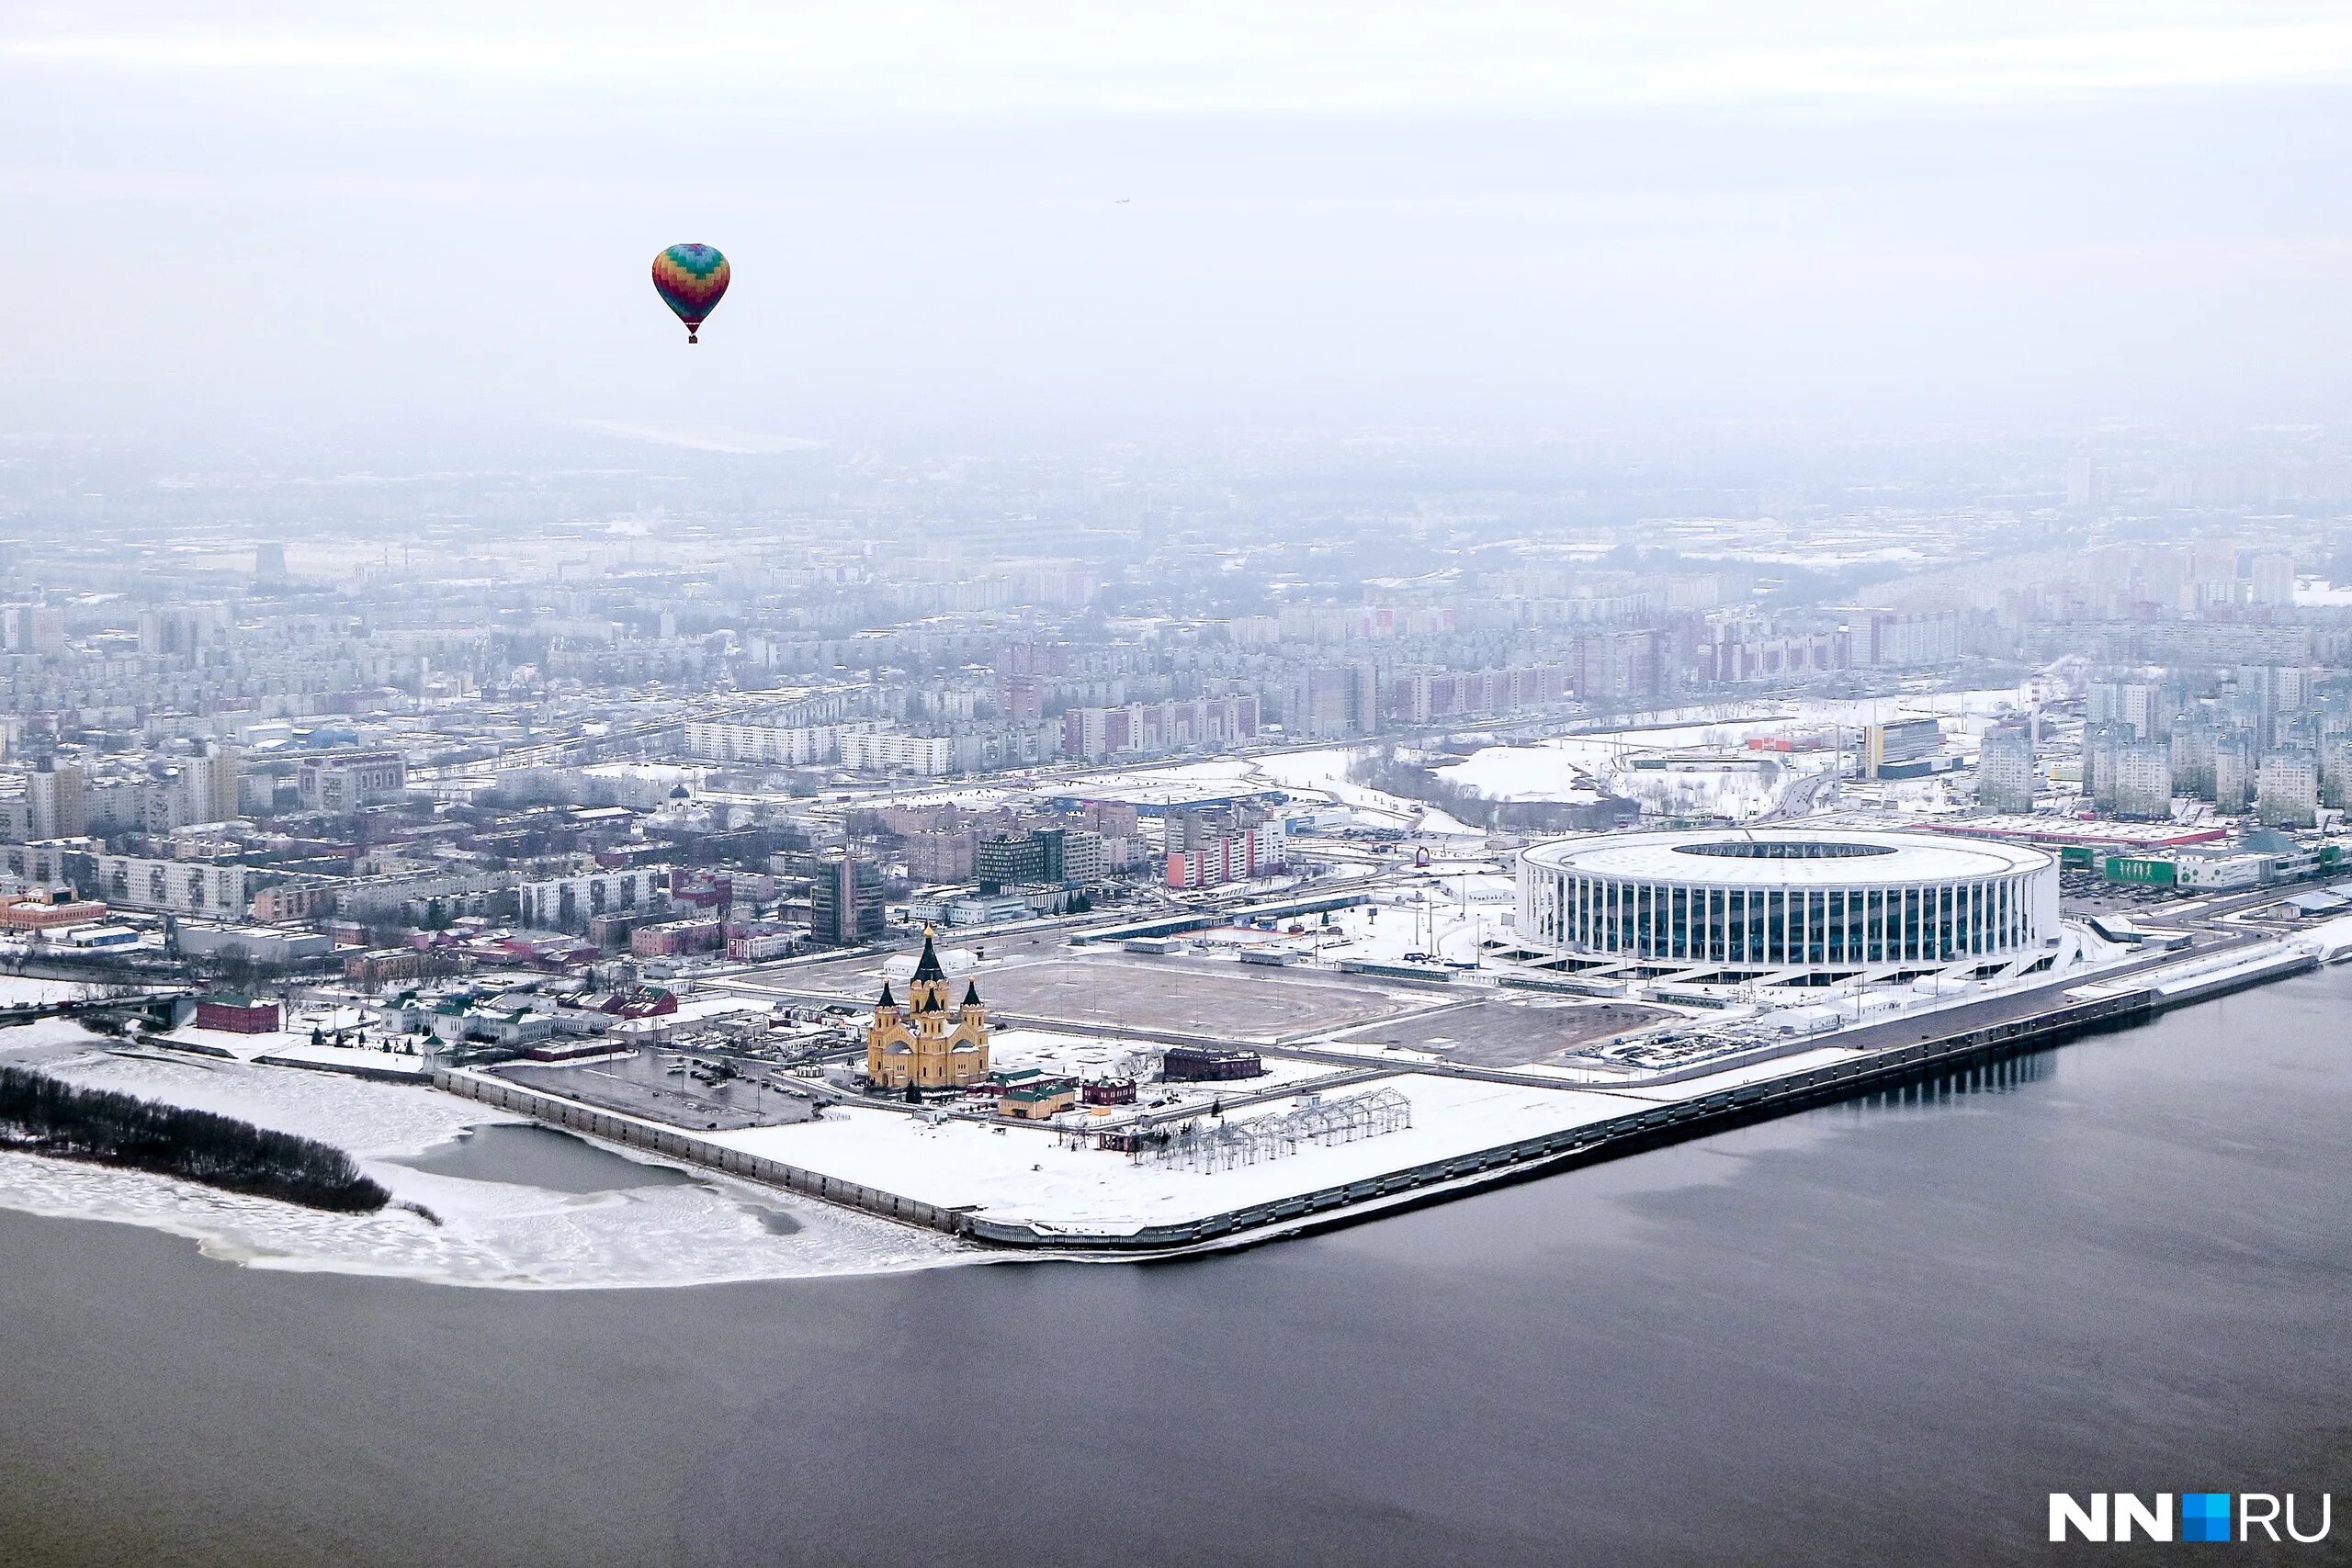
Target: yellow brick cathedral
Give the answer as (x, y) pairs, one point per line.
(925, 1043)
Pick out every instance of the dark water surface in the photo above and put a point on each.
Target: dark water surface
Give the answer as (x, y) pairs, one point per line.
(1876, 1333)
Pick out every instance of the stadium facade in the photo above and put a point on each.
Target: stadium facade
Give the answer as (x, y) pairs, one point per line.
(1789, 898)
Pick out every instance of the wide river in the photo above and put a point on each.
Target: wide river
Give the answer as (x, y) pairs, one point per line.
(1876, 1333)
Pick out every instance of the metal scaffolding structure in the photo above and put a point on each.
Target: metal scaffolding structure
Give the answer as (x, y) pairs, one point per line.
(1226, 1145)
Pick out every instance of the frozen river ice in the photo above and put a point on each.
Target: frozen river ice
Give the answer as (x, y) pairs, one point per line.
(506, 1212)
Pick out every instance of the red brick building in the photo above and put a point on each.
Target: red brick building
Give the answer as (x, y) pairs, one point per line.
(235, 1014)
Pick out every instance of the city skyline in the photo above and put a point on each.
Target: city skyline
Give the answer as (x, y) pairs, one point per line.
(1612, 746)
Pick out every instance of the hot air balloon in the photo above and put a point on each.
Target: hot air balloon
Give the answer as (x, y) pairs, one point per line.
(691, 279)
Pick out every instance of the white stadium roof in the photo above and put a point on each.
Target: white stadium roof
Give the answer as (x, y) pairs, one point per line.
(1785, 857)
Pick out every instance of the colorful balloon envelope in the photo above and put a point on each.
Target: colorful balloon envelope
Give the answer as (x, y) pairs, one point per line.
(691, 279)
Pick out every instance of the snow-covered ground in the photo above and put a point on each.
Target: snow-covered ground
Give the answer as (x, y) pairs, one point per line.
(1551, 770)
(296, 1044)
(1444, 917)
(2318, 591)
(497, 1233)
(17, 991)
(1072, 1055)
(1027, 1175)
(1562, 769)
(1325, 773)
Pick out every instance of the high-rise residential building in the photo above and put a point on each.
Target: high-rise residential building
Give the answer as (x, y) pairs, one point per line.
(1055, 856)
(1612, 666)
(215, 777)
(2143, 781)
(2005, 770)
(32, 628)
(2149, 707)
(2211, 578)
(1886, 640)
(2273, 579)
(2233, 770)
(182, 629)
(56, 801)
(2086, 485)
(1326, 701)
(570, 903)
(2192, 759)
(1233, 854)
(2288, 789)
(2335, 770)
(797, 745)
(2103, 744)
(885, 752)
(937, 855)
(845, 904)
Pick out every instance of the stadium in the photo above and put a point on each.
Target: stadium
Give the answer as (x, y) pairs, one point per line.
(1783, 898)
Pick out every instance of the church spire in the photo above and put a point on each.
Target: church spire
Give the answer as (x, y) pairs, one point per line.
(971, 993)
(886, 1000)
(927, 966)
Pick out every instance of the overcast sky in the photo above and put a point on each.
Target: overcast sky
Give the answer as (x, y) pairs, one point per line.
(951, 216)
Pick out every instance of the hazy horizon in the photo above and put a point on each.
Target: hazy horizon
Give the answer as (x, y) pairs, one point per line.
(441, 220)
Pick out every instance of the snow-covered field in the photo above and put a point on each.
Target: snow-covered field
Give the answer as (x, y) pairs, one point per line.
(1560, 769)
(491, 1233)
(1319, 776)
(17, 991)
(1325, 773)
(1035, 1177)
(1444, 917)
(2319, 591)
(1554, 771)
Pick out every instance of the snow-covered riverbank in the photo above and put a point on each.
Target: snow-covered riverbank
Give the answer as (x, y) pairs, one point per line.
(506, 1234)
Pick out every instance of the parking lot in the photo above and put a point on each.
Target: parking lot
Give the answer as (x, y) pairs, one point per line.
(1206, 997)
(1507, 1033)
(642, 1084)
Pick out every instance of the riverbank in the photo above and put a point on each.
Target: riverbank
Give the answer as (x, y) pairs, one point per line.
(1878, 1331)
(54, 1120)
(1046, 1191)
(520, 1227)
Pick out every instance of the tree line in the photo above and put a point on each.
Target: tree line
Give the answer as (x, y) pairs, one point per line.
(39, 1114)
(1382, 769)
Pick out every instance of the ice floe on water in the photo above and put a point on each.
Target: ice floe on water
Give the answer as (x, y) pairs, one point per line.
(642, 1229)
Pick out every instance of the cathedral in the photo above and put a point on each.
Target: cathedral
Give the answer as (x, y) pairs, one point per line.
(925, 1043)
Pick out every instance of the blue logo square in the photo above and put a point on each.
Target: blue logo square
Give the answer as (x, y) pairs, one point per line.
(2205, 1516)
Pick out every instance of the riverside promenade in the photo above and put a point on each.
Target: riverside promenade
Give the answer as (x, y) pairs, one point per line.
(1030, 1190)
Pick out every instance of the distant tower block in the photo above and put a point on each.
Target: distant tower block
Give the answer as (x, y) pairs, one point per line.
(269, 562)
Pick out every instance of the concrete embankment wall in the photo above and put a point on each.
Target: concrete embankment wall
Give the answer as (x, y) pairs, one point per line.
(1604, 1140)
(2220, 977)
(675, 1145)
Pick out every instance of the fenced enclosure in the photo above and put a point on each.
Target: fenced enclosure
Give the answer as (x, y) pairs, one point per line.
(1227, 1144)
